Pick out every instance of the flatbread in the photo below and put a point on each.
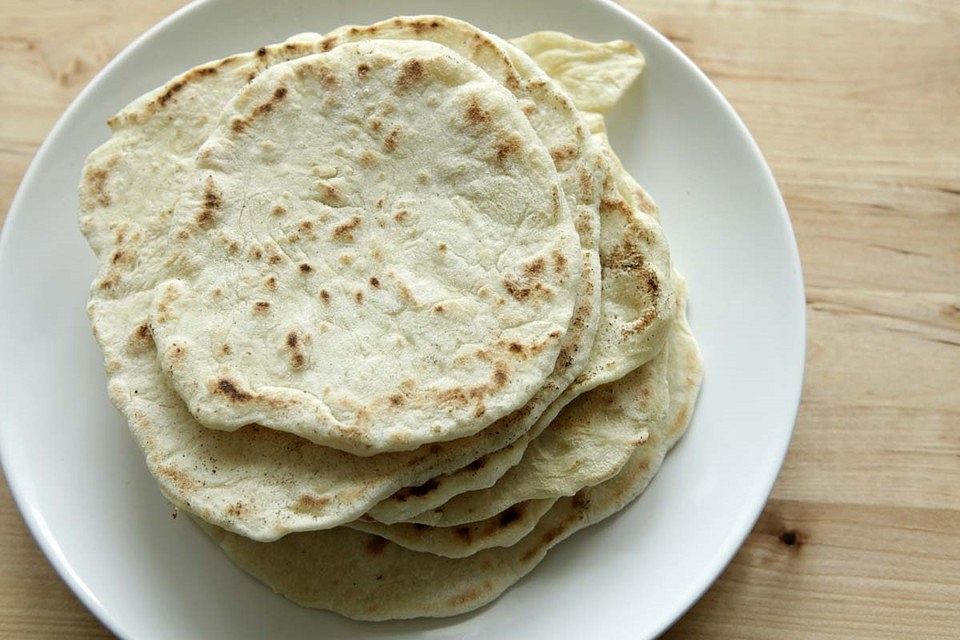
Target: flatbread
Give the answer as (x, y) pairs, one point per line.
(595, 74)
(365, 577)
(377, 254)
(259, 482)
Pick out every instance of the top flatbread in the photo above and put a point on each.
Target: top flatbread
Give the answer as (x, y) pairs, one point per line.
(378, 254)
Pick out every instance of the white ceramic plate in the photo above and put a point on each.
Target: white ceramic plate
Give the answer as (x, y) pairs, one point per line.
(84, 490)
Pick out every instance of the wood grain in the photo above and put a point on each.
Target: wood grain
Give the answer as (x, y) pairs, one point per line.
(857, 108)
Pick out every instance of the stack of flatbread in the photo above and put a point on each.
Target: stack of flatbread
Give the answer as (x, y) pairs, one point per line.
(384, 310)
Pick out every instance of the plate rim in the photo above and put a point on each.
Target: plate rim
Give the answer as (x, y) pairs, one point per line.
(740, 530)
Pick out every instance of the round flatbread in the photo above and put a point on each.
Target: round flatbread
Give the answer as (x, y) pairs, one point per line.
(377, 255)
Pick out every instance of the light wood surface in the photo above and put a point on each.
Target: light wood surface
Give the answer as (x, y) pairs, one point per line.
(856, 106)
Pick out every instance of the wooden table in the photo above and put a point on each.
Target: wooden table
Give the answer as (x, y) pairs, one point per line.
(857, 108)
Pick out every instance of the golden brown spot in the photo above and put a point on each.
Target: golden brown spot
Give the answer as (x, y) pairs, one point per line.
(141, 339)
(401, 215)
(627, 257)
(180, 478)
(563, 153)
(556, 333)
(227, 387)
(453, 396)
(375, 124)
(297, 360)
(358, 296)
(325, 296)
(343, 232)
(262, 109)
(225, 349)
(256, 253)
(520, 292)
(271, 283)
(397, 400)
(233, 247)
(559, 262)
(363, 69)
(476, 114)
(375, 283)
(346, 259)
(261, 306)
(292, 340)
(438, 308)
(261, 52)
(390, 142)
(367, 159)
(238, 124)
(205, 219)
(171, 91)
(274, 259)
(331, 195)
(586, 184)
(97, 183)
(463, 598)
(305, 268)
(305, 225)
(419, 26)
(500, 376)
(235, 510)
(529, 109)
(442, 247)
(410, 74)
(278, 210)
(327, 78)
(310, 502)
(618, 205)
(479, 410)
(507, 147)
(516, 347)
(110, 281)
(534, 269)
(328, 43)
